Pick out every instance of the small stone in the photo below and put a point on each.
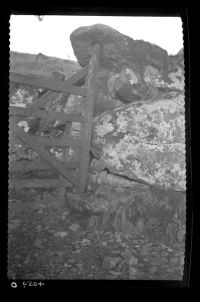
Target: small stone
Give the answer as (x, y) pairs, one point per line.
(132, 270)
(85, 241)
(129, 258)
(153, 269)
(111, 262)
(104, 243)
(174, 259)
(38, 228)
(34, 276)
(77, 251)
(123, 244)
(89, 188)
(132, 261)
(50, 230)
(114, 273)
(170, 270)
(65, 213)
(39, 206)
(148, 244)
(182, 260)
(92, 222)
(27, 260)
(14, 224)
(15, 221)
(40, 211)
(74, 227)
(11, 274)
(71, 261)
(133, 251)
(110, 277)
(60, 234)
(144, 253)
(38, 243)
(159, 261)
(115, 252)
(117, 236)
(18, 256)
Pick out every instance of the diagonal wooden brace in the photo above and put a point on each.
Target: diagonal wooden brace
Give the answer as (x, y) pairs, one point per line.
(50, 159)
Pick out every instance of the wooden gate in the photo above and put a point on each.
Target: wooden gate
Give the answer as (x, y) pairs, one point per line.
(55, 86)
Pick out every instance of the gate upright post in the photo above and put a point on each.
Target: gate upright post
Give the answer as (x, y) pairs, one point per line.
(88, 123)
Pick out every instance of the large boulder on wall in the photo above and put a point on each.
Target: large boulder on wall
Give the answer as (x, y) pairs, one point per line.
(117, 49)
(130, 70)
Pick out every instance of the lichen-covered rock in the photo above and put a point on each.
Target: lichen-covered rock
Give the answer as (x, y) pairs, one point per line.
(145, 141)
(21, 95)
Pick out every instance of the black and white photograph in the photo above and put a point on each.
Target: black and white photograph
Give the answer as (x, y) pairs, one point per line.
(97, 148)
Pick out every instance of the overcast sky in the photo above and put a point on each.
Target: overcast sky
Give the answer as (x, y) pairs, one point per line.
(51, 35)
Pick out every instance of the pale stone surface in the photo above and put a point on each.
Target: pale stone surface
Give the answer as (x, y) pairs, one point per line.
(144, 140)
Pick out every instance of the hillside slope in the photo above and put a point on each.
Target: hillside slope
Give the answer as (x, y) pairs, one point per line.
(40, 64)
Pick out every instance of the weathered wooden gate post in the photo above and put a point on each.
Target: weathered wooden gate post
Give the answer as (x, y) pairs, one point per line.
(88, 123)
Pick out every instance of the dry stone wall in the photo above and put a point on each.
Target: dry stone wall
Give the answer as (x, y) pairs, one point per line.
(138, 140)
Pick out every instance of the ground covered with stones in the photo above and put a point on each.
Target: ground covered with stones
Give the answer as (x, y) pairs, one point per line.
(49, 240)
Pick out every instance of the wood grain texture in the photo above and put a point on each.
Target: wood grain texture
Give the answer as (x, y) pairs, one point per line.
(87, 126)
(38, 183)
(48, 83)
(18, 111)
(27, 165)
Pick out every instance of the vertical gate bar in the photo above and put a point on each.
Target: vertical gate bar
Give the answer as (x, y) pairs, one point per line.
(61, 189)
(88, 123)
(56, 75)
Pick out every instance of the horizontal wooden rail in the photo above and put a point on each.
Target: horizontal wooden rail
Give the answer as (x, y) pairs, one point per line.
(26, 165)
(55, 85)
(78, 75)
(37, 183)
(18, 111)
(62, 141)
